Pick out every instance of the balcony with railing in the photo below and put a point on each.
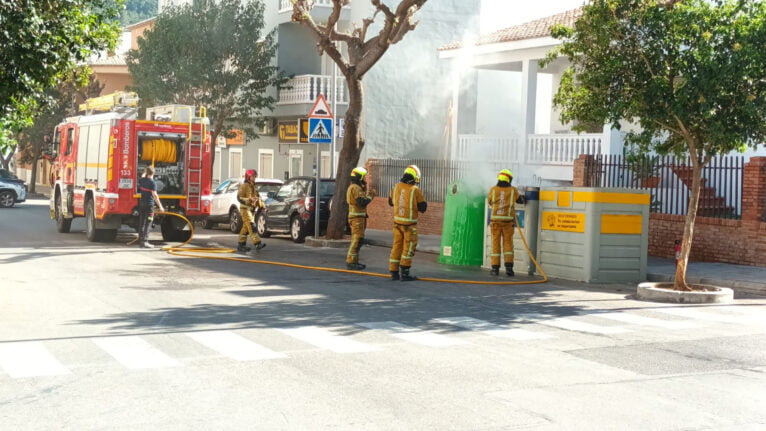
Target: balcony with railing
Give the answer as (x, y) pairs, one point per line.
(304, 89)
(543, 156)
(320, 11)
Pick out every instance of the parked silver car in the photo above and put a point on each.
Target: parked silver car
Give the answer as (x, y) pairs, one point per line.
(225, 206)
(12, 189)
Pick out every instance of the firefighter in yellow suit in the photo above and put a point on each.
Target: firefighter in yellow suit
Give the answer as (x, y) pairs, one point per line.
(408, 201)
(249, 201)
(502, 199)
(357, 198)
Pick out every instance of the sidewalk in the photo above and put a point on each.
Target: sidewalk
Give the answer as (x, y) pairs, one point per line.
(742, 278)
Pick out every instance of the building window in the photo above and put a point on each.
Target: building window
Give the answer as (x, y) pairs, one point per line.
(265, 163)
(296, 163)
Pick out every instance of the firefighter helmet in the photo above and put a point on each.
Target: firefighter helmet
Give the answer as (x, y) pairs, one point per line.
(251, 173)
(505, 175)
(359, 172)
(414, 171)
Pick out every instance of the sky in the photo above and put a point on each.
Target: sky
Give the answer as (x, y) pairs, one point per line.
(497, 14)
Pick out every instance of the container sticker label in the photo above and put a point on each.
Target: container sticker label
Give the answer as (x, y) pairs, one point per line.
(563, 221)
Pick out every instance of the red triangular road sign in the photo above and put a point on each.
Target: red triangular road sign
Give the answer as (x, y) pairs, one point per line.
(320, 109)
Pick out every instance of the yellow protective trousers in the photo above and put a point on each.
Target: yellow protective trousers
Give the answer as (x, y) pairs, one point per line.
(501, 231)
(247, 225)
(358, 225)
(405, 243)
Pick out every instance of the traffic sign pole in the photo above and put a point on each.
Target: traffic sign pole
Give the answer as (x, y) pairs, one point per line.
(320, 132)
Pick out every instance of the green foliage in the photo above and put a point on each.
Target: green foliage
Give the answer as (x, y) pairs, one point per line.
(642, 165)
(41, 42)
(137, 11)
(690, 73)
(58, 103)
(211, 54)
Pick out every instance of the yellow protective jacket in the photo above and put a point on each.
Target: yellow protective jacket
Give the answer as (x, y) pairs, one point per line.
(357, 200)
(407, 200)
(503, 203)
(247, 195)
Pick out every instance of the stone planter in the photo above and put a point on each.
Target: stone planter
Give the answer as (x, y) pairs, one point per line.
(663, 292)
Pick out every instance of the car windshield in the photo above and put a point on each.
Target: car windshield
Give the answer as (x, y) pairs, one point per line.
(326, 188)
(265, 189)
(222, 187)
(8, 175)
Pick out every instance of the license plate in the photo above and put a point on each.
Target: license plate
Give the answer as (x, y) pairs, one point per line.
(126, 183)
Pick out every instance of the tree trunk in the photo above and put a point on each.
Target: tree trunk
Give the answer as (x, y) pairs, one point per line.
(7, 160)
(349, 157)
(33, 182)
(213, 145)
(691, 216)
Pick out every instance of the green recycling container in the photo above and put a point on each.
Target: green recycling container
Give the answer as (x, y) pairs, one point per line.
(463, 229)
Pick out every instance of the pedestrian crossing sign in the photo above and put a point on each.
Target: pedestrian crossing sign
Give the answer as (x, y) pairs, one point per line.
(320, 130)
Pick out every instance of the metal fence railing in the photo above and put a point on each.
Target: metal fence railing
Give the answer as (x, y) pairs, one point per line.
(436, 174)
(669, 179)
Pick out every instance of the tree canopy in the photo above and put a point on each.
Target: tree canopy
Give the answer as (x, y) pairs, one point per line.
(137, 11)
(213, 54)
(690, 73)
(43, 41)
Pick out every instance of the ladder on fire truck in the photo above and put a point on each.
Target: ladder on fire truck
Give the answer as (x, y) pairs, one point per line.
(111, 102)
(194, 161)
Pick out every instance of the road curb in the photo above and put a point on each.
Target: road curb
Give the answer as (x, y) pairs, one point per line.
(327, 243)
(739, 286)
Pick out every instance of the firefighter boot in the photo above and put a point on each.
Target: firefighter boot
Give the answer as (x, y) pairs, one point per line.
(259, 245)
(356, 266)
(242, 248)
(509, 269)
(394, 275)
(406, 274)
(495, 270)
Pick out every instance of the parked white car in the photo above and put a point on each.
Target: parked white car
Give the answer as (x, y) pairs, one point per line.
(12, 189)
(225, 206)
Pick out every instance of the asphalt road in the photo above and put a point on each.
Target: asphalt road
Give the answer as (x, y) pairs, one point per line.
(110, 336)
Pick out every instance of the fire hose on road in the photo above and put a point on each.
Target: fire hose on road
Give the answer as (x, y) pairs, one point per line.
(202, 252)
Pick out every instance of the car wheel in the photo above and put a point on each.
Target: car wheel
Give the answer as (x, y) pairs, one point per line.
(235, 221)
(63, 225)
(260, 226)
(7, 199)
(90, 221)
(297, 233)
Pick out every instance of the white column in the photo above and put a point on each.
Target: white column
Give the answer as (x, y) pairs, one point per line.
(528, 103)
(458, 77)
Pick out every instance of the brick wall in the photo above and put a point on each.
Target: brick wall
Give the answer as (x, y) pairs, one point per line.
(381, 217)
(715, 240)
(721, 240)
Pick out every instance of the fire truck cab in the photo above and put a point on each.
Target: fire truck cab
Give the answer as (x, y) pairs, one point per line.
(102, 154)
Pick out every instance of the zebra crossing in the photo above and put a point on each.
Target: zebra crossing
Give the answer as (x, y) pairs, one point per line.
(25, 359)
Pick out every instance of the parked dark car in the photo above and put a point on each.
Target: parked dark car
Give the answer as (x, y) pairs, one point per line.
(12, 189)
(292, 209)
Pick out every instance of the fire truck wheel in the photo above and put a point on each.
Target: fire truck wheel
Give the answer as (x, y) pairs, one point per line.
(90, 221)
(235, 221)
(172, 232)
(93, 234)
(63, 225)
(260, 226)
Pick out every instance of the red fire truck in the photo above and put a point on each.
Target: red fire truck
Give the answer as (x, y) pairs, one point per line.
(103, 153)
